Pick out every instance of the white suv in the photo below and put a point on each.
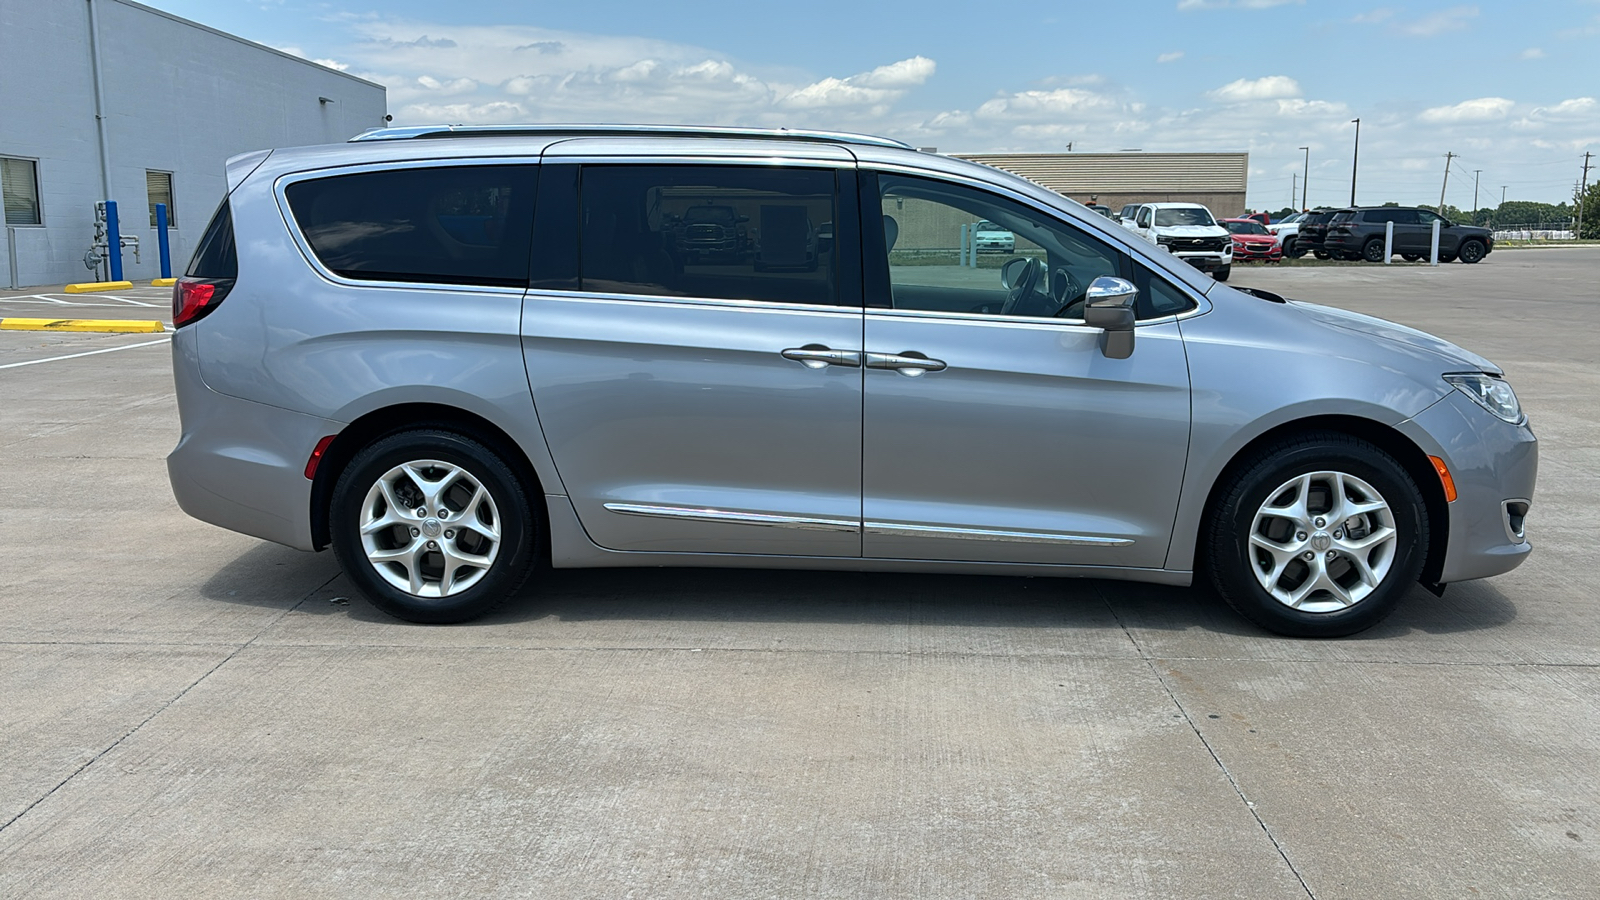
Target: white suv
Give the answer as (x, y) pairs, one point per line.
(1190, 232)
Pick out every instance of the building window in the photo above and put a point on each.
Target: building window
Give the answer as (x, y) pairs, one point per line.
(159, 186)
(19, 184)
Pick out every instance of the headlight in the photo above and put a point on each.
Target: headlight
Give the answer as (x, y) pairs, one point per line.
(1493, 394)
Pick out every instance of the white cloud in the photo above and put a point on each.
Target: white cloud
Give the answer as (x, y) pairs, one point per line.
(1271, 87)
(1483, 109)
(1452, 19)
(1040, 104)
(879, 86)
(1533, 53)
(1170, 57)
(1372, 17)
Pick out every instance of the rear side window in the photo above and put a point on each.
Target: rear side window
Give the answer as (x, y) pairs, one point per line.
(718, 232)
(215, 257)
(468, 225)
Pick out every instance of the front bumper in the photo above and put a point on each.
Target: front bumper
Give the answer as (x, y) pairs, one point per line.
(1246, 252)
(1205, 261)
(1493, 463)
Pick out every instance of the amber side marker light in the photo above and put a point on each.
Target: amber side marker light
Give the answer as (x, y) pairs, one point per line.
(1444, 478)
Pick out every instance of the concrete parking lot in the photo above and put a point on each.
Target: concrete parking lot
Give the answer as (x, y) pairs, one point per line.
(189, 712)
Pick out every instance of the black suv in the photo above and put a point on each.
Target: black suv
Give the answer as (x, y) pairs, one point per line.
(1359, 234)
(1313, 229)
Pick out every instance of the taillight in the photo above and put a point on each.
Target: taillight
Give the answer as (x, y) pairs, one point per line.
(194, 298)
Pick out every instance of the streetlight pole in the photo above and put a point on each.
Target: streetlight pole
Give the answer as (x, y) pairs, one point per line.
(1475, 174)
(1305, 181)
(1355, 158)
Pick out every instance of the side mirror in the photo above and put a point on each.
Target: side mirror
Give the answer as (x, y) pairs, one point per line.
(1009, 272)
(1109, 307)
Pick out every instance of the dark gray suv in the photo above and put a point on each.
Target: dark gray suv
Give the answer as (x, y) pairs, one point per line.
(445, 352)
(1361, 233)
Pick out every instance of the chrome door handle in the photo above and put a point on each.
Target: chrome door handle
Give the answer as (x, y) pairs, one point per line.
(910, 363)
(817, 356)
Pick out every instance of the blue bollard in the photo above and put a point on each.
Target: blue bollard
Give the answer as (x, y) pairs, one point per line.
(161, 240)
(113, 241)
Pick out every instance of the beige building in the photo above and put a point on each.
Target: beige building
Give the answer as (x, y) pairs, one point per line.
(1217, 180)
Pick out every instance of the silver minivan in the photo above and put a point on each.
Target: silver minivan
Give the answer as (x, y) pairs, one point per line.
(448, 353)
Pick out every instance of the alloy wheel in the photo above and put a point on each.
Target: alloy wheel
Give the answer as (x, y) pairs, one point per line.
(430, 528)
(1322, 542)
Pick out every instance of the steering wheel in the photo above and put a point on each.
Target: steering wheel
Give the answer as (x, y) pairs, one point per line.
(1027, 278)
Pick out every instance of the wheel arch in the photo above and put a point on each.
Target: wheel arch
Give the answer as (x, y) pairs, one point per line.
(1411, 457)
(380, 423)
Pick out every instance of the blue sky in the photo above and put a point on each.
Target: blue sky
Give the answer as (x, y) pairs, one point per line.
(1510, 86)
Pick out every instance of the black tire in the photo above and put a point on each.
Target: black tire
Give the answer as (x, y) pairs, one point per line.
(1372, 251)
(1234, 563)
(1289, 247)
(1410, 257)
(1322, 254)
(1472, 251)
(508, 509)
(1222, 273)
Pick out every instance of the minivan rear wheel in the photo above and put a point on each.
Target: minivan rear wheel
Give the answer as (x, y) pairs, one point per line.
(432, 526)
(1319, 536)
(1372, 251)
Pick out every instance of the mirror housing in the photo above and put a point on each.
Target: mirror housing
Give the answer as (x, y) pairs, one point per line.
(1109, 307)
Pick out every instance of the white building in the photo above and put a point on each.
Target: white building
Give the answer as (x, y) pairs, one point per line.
(110, 99)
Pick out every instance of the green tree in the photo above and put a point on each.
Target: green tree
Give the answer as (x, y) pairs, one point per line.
(1591, 211)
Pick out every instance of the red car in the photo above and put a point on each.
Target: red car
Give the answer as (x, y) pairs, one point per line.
(1252, 241)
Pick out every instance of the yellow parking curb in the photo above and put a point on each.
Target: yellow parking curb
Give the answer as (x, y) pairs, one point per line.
(163, 282)
(111, 326)
(89, 287)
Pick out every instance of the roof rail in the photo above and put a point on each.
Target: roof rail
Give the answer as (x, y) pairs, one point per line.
(411, 132)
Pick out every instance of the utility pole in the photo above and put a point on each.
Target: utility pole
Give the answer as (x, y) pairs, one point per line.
(1584, 189)
(1502, 195)
(1354, 159)
(1475, 174)
(1304, 182)
(1447, 158)
(1294, 189)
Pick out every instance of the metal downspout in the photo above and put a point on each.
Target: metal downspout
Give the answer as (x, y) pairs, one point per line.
(99, 102)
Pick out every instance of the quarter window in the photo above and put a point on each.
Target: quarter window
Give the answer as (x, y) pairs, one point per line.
(718, 232)
(469, 225)
(158, 187)
(19, 186)
(1031, 265)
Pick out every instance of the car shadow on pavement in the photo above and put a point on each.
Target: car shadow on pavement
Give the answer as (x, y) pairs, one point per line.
(270, 575)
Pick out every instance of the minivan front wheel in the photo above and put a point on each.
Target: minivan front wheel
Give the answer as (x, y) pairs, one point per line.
(432, 526)
(1318, 537)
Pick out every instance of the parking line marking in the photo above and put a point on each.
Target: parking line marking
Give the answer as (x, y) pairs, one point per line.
(35, 362)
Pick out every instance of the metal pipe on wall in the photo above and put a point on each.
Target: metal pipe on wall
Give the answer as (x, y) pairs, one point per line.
(99, 100)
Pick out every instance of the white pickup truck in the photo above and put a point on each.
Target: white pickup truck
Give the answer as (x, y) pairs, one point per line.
(1190, 232)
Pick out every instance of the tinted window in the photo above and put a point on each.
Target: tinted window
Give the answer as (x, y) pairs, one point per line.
(449, 225)
(722, 232)
(215, 257)
(1045, 273)
(1251, 227)
(1157, 296)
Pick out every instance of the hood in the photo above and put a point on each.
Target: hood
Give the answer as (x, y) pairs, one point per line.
(1190, 231)
(1410, 341)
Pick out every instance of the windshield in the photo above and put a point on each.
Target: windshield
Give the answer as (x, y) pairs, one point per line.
(1184, 215)
(989, 226)
(1245, 227)
(720, 214)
